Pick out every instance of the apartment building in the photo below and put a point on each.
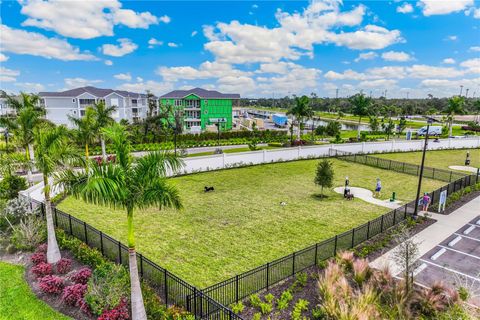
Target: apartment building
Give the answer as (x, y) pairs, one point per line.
(201, 108)
(58, 105)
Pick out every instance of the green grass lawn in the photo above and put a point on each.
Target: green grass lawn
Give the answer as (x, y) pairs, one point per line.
(233, 150)
(437, 158)
(17, 301)
(241, 224)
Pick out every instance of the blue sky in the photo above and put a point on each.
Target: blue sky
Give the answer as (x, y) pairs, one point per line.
(255, 48)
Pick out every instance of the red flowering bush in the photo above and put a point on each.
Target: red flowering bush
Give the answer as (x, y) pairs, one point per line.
(81, 276)
(38, 257)
(51, 284)
(73, 295)
(120, 312)
(84, 307)
(42, 269)
(42, 248)
(64, 265)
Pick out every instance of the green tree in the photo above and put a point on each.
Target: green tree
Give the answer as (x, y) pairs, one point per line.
(103, 118)
(53, 152)
(86, 129)
(21, 124)
(402, 125)
(324, 175)
(455, 106)
(11, 184)
(361, 108)
(388, 127)
(129, 185)
(301, 111)
(374, 124)
(333, 128)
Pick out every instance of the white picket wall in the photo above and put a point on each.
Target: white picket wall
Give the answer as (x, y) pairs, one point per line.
(226, 160)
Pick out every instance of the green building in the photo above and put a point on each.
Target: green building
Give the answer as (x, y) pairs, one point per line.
(201, 108)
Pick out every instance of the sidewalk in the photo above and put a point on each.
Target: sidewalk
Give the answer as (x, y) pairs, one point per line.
(434, 234)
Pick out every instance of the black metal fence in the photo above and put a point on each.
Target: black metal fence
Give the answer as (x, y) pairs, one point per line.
(172, 289)
(265, 276)
(402, 167)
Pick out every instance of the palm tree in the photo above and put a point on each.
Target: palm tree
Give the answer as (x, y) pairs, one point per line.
(103, 118)
(300, 111)
(455, 106)
(22, 124)
(86, 129)
(130, 185)
(53, 152)
(361, 105)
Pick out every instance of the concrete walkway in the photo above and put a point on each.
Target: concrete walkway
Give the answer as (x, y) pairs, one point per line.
(464, 168)
(367, 196)
(434, 234)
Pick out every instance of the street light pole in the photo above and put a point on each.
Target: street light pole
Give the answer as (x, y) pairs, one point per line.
(417, 198)
(6, 138)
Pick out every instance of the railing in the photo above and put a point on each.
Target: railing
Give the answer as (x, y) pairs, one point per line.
(402, 167)
(172, 289)
(265, 276)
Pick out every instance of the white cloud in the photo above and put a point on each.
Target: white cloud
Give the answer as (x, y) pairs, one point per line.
(451, 38)
(371, 37)
(8, 75)
(380, 83)
(405, 8)
(36, 44)
(475, 12)
(172, 45)
(472, 65)
(165, 19)
(242, 84)
(126, 46)
(425, 71)
(439, 7)
(71, 83)
(108, 62)
(448, 61)
(194, 33)
(139, 79)
(3, 57)
(155, 87)
(30, 87)
(444, 87)
(396, 56)
(123, 76)
(154, 42)
(475, 49)
(366, 56)
(83, 19)
(206, 70)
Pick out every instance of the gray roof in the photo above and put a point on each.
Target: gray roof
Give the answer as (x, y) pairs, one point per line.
(201, 93)
(97, 92)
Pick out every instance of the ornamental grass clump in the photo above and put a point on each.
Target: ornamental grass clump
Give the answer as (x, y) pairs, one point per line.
(361, 271)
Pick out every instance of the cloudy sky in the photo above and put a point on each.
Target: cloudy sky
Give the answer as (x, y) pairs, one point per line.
(257, 48)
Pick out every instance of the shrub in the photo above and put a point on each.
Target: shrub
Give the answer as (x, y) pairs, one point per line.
(38, 257)
(257, 316)
(265, 307)
(64, 265)
(42, 269)
(237, 307)
(51, 284)
(42, 248)
(345, 259)
(463, 293)
(81, 276)
(255, 300)
(73, 295)
(269, 298)
(85, 254)
(361, 271)
(153, 305)
(300, 306)
(11, 185)
(28, 233)
(283, 301)
(120, 312)
(318, 314)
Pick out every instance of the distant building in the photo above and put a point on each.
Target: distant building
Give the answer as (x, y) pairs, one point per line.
(202, 108)
(58, 105)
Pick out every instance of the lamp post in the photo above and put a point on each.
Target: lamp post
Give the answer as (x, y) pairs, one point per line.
(5, 133)
(415, 212)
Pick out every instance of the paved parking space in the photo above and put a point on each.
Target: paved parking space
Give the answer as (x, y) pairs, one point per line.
(455, 261)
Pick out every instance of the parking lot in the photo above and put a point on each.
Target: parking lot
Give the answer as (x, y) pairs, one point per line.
(455, 261)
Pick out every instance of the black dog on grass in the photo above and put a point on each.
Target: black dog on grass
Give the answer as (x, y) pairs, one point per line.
(207, 189)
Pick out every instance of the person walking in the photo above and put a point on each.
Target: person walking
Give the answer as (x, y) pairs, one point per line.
(425, 202)
(378, 188)
(346, 190)
(467, 159)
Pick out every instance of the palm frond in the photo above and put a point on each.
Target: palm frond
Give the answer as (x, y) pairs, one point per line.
(157, 163)
(159, 193)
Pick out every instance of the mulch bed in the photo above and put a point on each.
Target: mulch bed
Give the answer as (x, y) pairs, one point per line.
(309, 292)
(463, 200)
(55, 301)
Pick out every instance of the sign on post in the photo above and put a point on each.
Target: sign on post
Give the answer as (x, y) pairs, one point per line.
(218, 120)
(442, 201)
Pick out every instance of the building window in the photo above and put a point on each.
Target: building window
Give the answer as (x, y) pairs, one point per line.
(73, 100)
(134, 101)
(82, 113)
(101, 101)
(134, 110)
(87, 101)
(178, 103)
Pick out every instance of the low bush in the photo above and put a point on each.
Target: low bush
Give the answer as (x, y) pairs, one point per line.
(81, 276)
(119, 312)
(30, 232)
(284, 300)
(300, 306)
(51, 284)
(269, 298)
(64, 266)
(73, 295)
(42, 248)
(81, 251)
(265, 308)
(10, 185)
(255, 300)
(42, 269)
(38, 257)
(257, 316)
(153, 305)
(237, 307)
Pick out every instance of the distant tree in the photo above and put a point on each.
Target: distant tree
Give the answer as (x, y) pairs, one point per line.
(388, 127)
(301, 111)
(333, 128)
(374, 124)
(85, 131)
(455, 106)
(402, 125)
(361, 108)
(252, 145)
(324, 175)
(405, 255)
(103, 118)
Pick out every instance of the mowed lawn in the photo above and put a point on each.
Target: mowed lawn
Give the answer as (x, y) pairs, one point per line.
(242, 225)
(437, 158)
(17, 301)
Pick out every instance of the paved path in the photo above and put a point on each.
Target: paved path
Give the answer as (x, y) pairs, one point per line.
(367, 195)
(432, 236)
(464, 168)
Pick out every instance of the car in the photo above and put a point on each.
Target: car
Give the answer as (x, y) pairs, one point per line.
(432, 131)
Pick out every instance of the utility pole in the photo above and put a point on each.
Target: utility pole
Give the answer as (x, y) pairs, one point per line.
(415, 212)
(336, 93)
(461, 90)
(466, 92)
(407, 94)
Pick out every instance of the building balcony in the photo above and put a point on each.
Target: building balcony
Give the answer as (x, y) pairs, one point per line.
(192, 108)
(192, 119)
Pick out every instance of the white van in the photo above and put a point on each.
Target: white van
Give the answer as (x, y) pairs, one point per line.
(432, 131)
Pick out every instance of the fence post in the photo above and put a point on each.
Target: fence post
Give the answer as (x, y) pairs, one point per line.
(101, 242)
(268, 272)
(236, 288)
(316, 253)
(381, 225)
(353, 237)
(478, 173)
(293, 264)
(450, 180)
(395, 215)
(165, 273)
(85, 231)
(390, 165)
(335, 248)
(406, 208)
(56, 217)
(403, 168)
(433, 174)
(141, 265)
(70, 224)
(368, 230)
(119, 252)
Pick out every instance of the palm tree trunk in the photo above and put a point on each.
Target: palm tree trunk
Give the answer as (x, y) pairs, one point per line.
(299, 133)
(29, 167)
(358, 128)
(138, 308)
(87, 153)
(53, 252)
(104, 152)
(450, 125)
